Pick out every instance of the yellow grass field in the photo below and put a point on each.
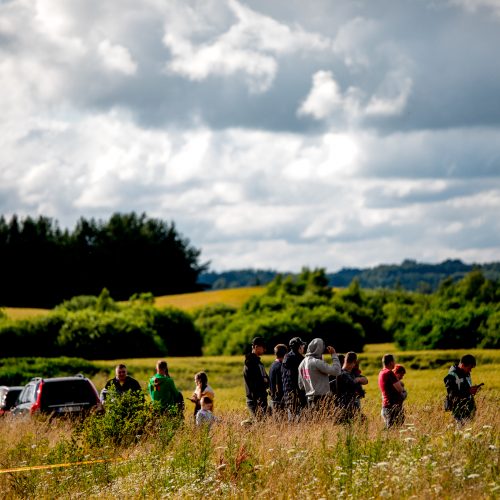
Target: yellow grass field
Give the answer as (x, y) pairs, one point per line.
(235, 297)
(24, 312)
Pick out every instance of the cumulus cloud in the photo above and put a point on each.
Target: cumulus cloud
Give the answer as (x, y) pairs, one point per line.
(116, 58)
(274, 134)
(248, 46)
(326, 99)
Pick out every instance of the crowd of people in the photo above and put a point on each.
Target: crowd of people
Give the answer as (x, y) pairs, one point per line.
(301, 384)
(164, 393)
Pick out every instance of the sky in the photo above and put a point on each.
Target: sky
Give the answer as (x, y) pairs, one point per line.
(276, 135)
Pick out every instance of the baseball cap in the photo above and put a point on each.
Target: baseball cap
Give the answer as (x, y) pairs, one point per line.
(296, 342)
(259, 341)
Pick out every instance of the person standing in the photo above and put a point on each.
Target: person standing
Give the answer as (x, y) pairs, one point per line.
(163, 391)
(294, 397)
(314, 373)
(256, 379)
(121, 383)
(202, 389)
(349, 390)
(276, 379)
(391, 389)
(459, 390)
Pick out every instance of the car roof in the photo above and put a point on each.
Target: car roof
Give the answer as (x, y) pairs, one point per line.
(59, 379)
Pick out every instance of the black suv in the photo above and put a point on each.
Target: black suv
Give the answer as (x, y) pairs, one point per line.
(8, 396)
(57, 396)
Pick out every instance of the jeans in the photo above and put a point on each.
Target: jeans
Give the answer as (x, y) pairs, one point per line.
(393, 415)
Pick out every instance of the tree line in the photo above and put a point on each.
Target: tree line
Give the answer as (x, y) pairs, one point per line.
(460, 315)
(44, 265)
(409, 275)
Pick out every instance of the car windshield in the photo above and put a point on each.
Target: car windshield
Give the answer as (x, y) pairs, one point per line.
(67, 392)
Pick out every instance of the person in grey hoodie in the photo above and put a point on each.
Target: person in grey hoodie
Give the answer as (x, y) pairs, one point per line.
(314, 372)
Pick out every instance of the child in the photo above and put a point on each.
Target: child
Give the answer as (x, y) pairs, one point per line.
(202, 389)
(205, 415)
(399, 371)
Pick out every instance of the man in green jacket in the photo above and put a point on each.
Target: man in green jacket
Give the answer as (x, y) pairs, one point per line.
(162, 389)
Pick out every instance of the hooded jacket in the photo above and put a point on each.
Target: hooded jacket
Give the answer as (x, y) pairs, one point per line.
(256, 379)
(290, 372)
(314, 372)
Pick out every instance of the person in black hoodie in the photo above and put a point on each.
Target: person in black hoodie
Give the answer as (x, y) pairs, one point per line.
(256, 379)
(295, 398)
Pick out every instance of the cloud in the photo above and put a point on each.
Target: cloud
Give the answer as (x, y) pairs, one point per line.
(275, 134)
(248, 46)
(116, 58)
(474, 5)
(326, 99)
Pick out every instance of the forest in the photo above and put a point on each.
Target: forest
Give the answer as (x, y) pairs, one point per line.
(460, 315)
(127, 254)
(409, 275)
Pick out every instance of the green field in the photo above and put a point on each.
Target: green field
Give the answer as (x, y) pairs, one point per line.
(429, 457)
(225, 373)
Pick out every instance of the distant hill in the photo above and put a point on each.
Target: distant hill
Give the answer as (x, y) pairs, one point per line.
(410, 275)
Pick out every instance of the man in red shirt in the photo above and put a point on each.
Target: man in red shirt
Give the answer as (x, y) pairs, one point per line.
(391, 389)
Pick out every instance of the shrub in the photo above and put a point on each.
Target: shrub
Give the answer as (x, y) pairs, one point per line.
(19, 371)
(108, 335)
(125, 418)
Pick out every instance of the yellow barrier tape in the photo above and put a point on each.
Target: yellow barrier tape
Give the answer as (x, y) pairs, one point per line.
(54, 466)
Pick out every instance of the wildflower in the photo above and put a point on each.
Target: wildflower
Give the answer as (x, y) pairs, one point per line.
(382, 464)
(473, 476)
(487, 427)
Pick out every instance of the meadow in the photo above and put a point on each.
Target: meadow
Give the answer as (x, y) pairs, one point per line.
(234, 297)
(429, 457)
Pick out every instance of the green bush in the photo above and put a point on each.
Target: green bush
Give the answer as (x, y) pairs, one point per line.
(108, 335)
(102, 329)
(31, 337)
(124, 419)
(176, 330)
(19, 371)
(448, 329)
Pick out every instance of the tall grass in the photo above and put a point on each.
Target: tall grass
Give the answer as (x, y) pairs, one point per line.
(428, 457)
